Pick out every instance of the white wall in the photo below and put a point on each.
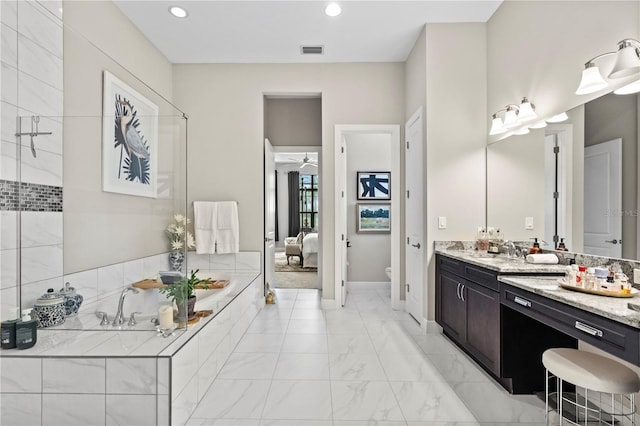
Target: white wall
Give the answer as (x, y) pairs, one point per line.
(370, 253)
(283, 197)
(455, 136)
(225, 106)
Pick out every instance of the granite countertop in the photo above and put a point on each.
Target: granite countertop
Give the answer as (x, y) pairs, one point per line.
(60, 341)
(614, 308)
(501, 263)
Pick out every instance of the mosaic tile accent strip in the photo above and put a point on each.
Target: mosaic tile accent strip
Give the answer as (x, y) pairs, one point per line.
(34, 197)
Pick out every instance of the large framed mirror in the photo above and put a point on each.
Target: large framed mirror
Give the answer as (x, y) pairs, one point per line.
(576, 180)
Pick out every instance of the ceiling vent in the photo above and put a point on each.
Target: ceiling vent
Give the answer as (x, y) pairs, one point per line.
(312, 50)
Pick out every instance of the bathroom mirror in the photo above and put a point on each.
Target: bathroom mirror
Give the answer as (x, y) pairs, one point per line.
(522, 177)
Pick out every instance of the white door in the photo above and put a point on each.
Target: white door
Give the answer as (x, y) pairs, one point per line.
(343, 223)
(414, 214)
(603, 199)
(269, 212)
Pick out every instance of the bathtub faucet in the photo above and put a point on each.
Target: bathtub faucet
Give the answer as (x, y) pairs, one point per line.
(119, 319)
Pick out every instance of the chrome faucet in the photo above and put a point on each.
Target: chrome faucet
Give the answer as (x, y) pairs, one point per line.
(509, 248)
(119, 319)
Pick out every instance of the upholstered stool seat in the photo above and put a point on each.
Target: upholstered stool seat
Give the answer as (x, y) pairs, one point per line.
(592, 372)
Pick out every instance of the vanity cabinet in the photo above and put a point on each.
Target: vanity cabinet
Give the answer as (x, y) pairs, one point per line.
(468, 309)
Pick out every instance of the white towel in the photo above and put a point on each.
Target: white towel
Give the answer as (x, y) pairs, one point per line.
(545, 258)
(216, 227)
(204, 215)
(227, 227)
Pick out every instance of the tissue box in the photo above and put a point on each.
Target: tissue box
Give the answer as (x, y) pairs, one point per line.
(170, 277)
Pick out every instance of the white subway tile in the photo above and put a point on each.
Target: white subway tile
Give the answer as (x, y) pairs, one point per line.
(131, 410)
(8, 230)
(197, 261)
(73, 375)
(133, 271)
(85, 283)
(110, 279)
(9, 91)
(21, 409)
(9, 46)
(8, 126)
(73, 410)
(41, 263)
(39, 26)
(41, 228)
(248, 261)
(21, 375)
(223, 262)
(9, 13)
(40, 63)
(8, 161)
(39, 98)
(131, 376)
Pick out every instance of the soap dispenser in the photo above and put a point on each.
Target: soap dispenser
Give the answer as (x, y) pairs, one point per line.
(535, 248)
(561, 246)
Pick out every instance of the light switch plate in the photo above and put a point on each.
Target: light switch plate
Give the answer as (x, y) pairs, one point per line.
(636, 276)
(528, 222)
(442, 222)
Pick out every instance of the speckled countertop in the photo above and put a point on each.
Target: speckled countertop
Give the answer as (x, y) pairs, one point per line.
(614, 308)
(501, 263)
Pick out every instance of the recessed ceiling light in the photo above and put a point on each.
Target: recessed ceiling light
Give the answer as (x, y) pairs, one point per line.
(178, 12)
(333, 9)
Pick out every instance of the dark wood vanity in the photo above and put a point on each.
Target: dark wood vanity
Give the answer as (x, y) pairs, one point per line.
(506, 327)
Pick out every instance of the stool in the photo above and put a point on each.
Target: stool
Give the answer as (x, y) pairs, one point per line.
(596, 374)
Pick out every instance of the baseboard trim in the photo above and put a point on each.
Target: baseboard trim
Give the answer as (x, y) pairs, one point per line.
(368, 285)
(433, 327)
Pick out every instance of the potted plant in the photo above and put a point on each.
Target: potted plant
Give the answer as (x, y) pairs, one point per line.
(182, 292)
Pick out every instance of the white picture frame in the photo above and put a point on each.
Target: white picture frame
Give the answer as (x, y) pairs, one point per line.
(129, 140)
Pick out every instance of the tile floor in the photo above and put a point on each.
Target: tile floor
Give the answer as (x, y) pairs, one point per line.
(299, 365)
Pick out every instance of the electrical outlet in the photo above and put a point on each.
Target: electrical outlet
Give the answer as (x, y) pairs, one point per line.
(636, 276)
(528, 222)
(442, 222)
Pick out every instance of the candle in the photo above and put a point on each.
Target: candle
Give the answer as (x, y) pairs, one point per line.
(165, 316)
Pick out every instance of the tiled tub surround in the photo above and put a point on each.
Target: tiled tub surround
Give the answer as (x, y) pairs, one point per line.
(87, 378)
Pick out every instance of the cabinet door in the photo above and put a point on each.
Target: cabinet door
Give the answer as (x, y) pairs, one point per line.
(452, 311)
(483, 324)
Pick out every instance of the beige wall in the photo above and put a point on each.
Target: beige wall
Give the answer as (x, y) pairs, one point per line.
(456, 136)
(103, 228)
(293, 122)
(225, 107)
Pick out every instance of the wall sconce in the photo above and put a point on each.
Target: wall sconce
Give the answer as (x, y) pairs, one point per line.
(514, 116)
(627, 63)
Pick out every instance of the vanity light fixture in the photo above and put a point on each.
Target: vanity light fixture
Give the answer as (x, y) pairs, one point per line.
(627, 63)
(333, 9)
(558, 118)
(178, 11)
(514, 116)
(522, 131)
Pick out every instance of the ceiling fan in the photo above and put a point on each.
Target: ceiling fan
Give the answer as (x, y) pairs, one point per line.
(306, 161)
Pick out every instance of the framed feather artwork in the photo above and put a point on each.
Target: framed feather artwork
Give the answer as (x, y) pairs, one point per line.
(129, 140)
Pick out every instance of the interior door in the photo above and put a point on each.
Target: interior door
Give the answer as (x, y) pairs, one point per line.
(343, 223)
(269, 213)
(603, 199)
(414, 226)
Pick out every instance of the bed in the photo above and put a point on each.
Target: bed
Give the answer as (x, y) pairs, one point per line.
(310, 250)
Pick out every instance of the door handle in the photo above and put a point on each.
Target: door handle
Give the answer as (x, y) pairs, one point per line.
(348, 243)
(267, 239)
(614, 241)
(416, 245)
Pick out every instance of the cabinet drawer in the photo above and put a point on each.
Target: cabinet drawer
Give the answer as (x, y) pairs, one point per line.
(611, 336)
(482, 276)
(451, 265)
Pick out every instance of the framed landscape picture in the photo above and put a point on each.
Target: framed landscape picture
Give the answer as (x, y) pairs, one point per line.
(373, 217)
(129, 140)
(374, 185)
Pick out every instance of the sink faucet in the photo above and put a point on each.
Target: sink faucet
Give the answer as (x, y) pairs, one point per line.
(509, 248)
(119, 319)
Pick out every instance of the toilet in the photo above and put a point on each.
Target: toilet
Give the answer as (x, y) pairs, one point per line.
(387, 271)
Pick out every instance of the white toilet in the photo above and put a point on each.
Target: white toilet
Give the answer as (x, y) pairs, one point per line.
(387, 271)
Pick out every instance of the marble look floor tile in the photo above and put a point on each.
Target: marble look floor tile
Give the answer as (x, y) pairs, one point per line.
(364, 400)
(350, 343)
(307, 304)
(314, 314)
(269, 312)
(296, 423)
(338, 326)
(304, 343)
(260, 343)
(356, 366)
(436, 343)
(296, 366)
(222, 422)
(301, 400)
(457, 368)
(421, 401)
(491, 403)
(240, 399)
(262, 326)
(367, 423)
(249, 366)
(408, 367)
(304, 326)
(445, 424)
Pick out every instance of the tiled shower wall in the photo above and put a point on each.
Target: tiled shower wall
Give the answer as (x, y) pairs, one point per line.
(32, 83)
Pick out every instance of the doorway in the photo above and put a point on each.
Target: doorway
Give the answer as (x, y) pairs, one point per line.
(347, 203)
